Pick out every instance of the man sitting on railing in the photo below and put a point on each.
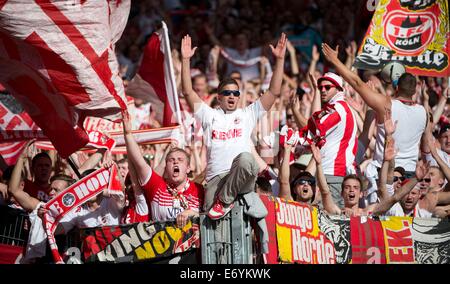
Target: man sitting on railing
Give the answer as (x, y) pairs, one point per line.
(168, 197)
(231, 168)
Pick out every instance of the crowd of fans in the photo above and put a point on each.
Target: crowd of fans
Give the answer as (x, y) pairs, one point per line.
(268, 106)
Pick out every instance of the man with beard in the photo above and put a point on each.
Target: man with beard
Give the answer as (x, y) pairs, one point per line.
(172, 196)
(231, 168)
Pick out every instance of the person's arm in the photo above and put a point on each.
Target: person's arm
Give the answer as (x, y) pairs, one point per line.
(327, 199)
(293, 58)
(268, 98)
(285, 187)
(24, 199)
(389, 156)
(442, 165)
(316, 103)
(211, 70)
(262, 165)
(143, 170)
(315, 56)
(187, 52)
(160, 159)
(93, 160)
(300, 119)
(369, 125)
(374, 99)
(441, 105)
(351, 54)
(385, 205)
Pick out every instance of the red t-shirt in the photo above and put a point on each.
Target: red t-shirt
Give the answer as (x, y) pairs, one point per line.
(135, 212)
(37, 191)
(160, 200)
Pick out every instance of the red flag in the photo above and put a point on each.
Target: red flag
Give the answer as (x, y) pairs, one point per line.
(58, 60)
(15, 125)
(155, 81)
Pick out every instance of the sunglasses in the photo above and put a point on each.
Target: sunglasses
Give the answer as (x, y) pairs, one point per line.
(227, 93)
(399, 178)
(304, 181)
(425, 180)
(327, 87)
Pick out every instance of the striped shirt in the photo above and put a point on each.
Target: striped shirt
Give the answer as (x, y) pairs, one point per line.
(336, 125)
(161, 201)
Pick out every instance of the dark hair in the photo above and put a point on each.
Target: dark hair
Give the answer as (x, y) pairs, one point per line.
(122, 161)
(352, 176)
(38, 156)
(305, 175)
(444, 128)
(400, 170)
(407, 85)
(225, 82)
(201, 75)
(63, 177)
(176, 149)
(264, 184)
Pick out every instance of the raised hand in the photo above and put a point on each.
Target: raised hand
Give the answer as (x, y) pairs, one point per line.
(294, 102)
(389, 126)
(330, 54)
(316, 153)
(280, 50)
(290, 47)
(422, 169)
(315, 54)
(389, 150)
(186, 47)
(126, 121)
(312, 81)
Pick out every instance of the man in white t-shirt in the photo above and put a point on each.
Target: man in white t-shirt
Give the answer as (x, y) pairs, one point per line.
(231, 168)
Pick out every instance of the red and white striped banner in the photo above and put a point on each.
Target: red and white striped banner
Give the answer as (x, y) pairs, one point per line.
(57, 58)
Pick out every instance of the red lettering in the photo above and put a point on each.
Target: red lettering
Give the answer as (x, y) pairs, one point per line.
(401, 238)
(222, 136)
(401, 254)
(238, 132)
(13, 123)
(3, 112)
(214, 134)
(232, 133)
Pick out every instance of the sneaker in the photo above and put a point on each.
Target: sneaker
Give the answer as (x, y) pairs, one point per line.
(219, 210)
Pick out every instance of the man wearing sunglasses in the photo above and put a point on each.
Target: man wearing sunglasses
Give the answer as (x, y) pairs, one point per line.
(333, 129)
(231, 168)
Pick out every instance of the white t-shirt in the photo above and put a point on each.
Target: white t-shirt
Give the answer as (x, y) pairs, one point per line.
(227, 134)
(397, 210)
(411, 123)
(247, 73)
(444, 156)
(108, 214)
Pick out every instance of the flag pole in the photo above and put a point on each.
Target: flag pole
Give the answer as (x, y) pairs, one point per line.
(74, 167)
(173, 84)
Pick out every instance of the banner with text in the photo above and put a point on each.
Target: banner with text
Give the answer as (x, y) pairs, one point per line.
(415, 33)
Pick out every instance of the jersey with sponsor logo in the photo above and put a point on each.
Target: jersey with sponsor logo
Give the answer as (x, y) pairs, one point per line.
(227, 134)
(337, 126)
(161, 201)
(37, 191)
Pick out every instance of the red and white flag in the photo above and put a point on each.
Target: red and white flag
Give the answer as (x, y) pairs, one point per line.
(57, 58)
(155, 80)
(15, 125)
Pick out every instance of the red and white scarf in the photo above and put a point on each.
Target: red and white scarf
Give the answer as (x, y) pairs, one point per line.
(178, 195)
(73, 197)
(240, 63)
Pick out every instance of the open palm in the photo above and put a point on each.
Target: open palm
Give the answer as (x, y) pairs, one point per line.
(329, 53)
(280, 50)
(186, 47)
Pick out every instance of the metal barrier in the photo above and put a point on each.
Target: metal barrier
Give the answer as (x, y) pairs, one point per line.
(228, 240)
(14, 226)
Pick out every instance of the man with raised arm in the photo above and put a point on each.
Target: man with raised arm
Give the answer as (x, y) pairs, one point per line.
(410, 117)
(231, 168)
(333, 129)
(172, 196)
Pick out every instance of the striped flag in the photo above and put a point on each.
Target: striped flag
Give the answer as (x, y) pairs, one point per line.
(155, 80)
(58, 60)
